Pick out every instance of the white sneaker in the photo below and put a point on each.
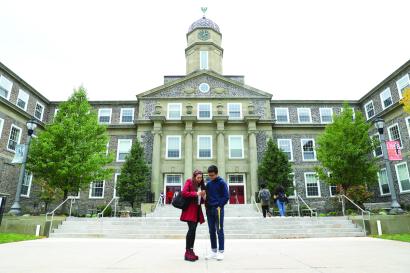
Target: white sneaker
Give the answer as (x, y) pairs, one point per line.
(220, 256)
(211, 256)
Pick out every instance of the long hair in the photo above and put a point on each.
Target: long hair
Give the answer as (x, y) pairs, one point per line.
(202, 183)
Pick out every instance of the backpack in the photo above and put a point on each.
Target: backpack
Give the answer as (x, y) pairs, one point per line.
(179, 201)
(265, 196)
(282, 197)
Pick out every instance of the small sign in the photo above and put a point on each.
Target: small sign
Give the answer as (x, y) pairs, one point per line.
(394, 150)
(20, 154)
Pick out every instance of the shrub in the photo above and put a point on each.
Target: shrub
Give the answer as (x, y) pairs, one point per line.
(359, 194)
(107, 212)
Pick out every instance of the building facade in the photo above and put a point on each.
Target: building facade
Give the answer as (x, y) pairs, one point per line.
(204, 118)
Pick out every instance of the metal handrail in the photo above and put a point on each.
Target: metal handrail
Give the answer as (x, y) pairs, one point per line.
(156, 205)
(341, 199)
(72, 198)
(256, 204)
(101, 214)
(312, 212)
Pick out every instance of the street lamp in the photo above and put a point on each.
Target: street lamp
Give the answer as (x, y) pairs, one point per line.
(395, 206)
(16, 208)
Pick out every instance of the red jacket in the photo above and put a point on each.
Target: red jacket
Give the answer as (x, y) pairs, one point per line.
(191, 212)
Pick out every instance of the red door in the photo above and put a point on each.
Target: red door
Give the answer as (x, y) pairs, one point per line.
(237, 194)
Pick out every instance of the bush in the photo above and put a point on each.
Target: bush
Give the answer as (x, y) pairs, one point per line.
(359, 194)
(107, 212)
(332, 213)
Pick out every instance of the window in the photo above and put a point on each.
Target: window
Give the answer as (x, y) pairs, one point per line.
(282, 115)
(312, 185)
(123, 149)
(304, 115)
(402, 83)
(308, 149)
(353, 112)
(26, 186)
(236, 179)
(104, 115)
(235, 110)
(383, 182)
(369, 109)
(204, 111)
(402, 173)
(378, 150)
(115, 184)
(174, 111)
(173, 179)
(333, 190)
(1, 126)
(235, 147)
(22, 100)
(286, 146)
(326, 115)
(97, 190)
(394, 133)
(203, 59)
(14, 138)
(5, 87)
(407, 123)
(127, 115)
(292, 190)
(204, 147)
(38, 112)
(386, 98)
(55, 112)
(75, 194)
(173, 147)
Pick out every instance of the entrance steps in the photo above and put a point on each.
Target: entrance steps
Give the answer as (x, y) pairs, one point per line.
(241, 222)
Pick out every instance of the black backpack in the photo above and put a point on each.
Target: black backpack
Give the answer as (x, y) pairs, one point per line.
(282, 197)
(180, 202)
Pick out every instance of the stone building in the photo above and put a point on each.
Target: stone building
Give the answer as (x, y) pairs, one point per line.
(203, 118)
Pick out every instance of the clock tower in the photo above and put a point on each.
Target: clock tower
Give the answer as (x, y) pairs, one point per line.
(204, 51)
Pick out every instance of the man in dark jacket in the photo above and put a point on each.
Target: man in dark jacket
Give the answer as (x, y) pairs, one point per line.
(217, 195)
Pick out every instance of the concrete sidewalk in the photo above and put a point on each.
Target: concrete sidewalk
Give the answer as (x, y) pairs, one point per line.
(353, 255)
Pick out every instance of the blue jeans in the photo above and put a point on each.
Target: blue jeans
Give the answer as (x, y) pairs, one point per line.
(216, 226)
(281, 207)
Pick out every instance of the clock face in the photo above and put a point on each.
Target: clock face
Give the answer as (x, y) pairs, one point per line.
(203, 34)
(204, 87)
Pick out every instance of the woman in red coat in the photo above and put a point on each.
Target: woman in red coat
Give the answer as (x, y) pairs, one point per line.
(194, 191)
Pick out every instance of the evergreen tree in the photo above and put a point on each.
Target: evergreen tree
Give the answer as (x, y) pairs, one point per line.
(71, 152)
(275, 168)
(132, 184)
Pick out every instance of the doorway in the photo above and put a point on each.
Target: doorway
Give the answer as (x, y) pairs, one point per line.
(237, 190)
(172, 184)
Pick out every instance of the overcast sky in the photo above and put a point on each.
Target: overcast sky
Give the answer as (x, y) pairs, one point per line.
(316, 49)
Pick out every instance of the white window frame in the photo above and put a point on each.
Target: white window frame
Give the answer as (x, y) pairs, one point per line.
(242, 146)
(29, 186)
(76, 196)
(317, 182)
(365, 109)
(374, 151)
(180, 110)
(387, 90)
(398, 178)
(8, 140)
(197, 149)
(114, 193)
(21, 91)
(321, 115)
(293, 196)
(210, 111)
(171, 185)
(398, 130)
(353, 112)
(11, 87)
(118, 147)
(310, 115)
(314, 149)
(99, 115)
(398, 87)
(287, 115)
(238, 184)
(330, 191)
(380, 184)
(202, 65)
(55, 112)
(240, 110)
(91, 190)
(1, 126)
(122, 114)
(407, 120)
(180, 147)
(291, 147)
(42, 112)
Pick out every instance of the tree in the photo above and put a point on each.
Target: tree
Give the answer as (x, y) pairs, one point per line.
(344, 151)
(275, 168)
(48, 194)
(71, 152)
(132, 184)
(406, 99)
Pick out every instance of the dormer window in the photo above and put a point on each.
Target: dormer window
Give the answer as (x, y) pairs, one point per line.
(203, 59)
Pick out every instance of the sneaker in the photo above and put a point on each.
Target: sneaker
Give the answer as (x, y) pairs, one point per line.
(220, 256)
(211, 256)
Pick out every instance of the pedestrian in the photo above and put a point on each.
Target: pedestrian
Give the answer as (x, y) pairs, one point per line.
(170, 195)
(161, 199)
(217, 196)
(281, 199)
(265, 196)
(194, 192)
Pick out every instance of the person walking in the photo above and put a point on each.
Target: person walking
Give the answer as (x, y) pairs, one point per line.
(281, 199)
(217, 195)
(161, 197)
(194, 192)
(264, 195)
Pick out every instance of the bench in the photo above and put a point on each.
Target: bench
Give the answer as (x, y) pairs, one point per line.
(379, 206)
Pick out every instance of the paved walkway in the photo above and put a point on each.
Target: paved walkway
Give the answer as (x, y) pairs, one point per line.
(353, 255)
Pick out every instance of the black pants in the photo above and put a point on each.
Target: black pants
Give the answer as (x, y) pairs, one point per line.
(265, 209)
(190, 236)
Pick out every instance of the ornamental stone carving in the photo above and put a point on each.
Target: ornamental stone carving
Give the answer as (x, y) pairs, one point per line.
(158, 109)
(188, 109)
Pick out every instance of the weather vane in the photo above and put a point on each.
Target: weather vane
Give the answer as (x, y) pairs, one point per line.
(204, 9)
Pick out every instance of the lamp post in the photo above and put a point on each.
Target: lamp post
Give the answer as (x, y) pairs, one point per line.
(16, 208)
(395, 206)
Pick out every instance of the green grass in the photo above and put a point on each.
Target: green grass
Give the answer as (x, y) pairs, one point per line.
(14, 237)
(405, 237)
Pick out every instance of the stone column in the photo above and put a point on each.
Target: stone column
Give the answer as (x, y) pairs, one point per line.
(156, 157)
(188, 154)
(253, 162)
(220, 161)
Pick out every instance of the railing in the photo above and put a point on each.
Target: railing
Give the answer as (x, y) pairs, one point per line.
(342, 197)
(72, 198)
(160, 199)
(115, 199)
(255, 204)
(312, 212)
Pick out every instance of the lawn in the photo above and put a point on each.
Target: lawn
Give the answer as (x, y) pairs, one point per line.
(405, 237)
(14, 237)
